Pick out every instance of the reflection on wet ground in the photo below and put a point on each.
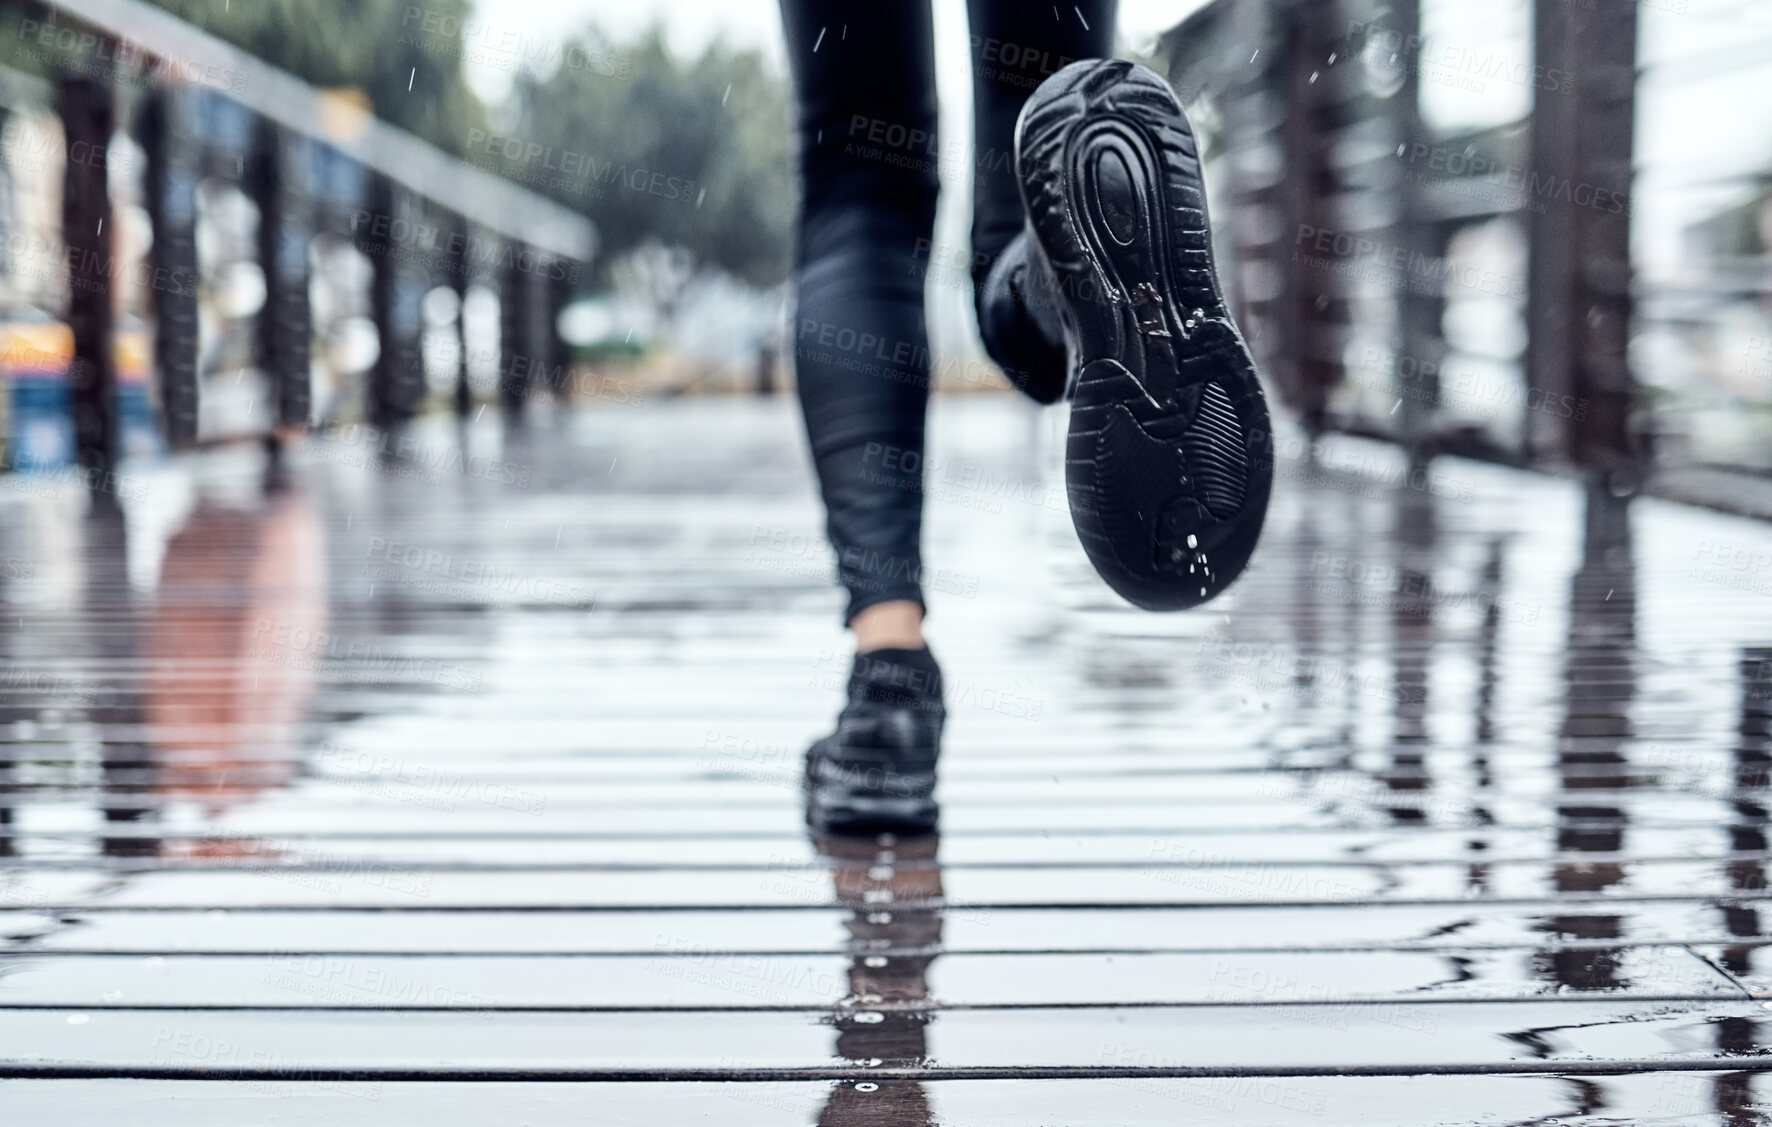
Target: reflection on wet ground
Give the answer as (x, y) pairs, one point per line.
(414, 782)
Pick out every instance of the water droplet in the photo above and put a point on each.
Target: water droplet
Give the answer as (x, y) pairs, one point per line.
(1193, 541)
(867, 1086)
(869, 1017)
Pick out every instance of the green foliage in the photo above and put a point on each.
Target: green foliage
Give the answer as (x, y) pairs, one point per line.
(695, 152)
(377, 46)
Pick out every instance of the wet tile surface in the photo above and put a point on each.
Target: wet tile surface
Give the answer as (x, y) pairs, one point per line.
(419, 791)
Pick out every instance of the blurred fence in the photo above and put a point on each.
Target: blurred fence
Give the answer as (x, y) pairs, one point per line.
(201, 247)
(1533, 230)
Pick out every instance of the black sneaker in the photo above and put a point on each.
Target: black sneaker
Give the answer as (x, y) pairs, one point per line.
(876, 772)
(1168, 464)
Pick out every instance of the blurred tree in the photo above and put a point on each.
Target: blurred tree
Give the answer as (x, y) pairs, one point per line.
(379, 47)
(405, 55)
(693, 153)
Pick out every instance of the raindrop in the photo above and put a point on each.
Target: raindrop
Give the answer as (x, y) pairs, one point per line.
(1193, 541)
(866, 1017)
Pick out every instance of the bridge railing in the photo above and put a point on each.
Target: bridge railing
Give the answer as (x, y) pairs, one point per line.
(1463, 227)
(248, 225)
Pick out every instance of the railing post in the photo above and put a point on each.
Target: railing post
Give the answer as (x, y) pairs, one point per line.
(1307, 378)
(1420, 302)
(397, 383)
(1579, 307)
(559, 282)
(168, 135)
(516, 304)
(457, 265)
(279, 185)
(88, 109)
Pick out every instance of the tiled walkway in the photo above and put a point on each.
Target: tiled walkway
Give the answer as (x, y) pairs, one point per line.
(464, 791)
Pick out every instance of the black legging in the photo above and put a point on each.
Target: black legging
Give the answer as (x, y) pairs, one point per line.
(864, 74)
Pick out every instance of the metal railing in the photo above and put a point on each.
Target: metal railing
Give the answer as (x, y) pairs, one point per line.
(1434, 231)
(236, 164)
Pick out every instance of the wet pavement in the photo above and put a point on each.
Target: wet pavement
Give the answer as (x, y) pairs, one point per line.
(457, 782)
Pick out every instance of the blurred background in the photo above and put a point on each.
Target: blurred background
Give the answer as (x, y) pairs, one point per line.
(1534, 231)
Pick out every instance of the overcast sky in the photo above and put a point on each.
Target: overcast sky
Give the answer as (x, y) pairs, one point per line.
(1699, 56)
(691, 25)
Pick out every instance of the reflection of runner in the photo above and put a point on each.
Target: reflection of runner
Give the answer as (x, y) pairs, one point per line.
(223, 697)
(1101, 288)
(892, 887)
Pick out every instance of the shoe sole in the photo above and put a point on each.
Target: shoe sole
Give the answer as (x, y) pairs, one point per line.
(1167, 464)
